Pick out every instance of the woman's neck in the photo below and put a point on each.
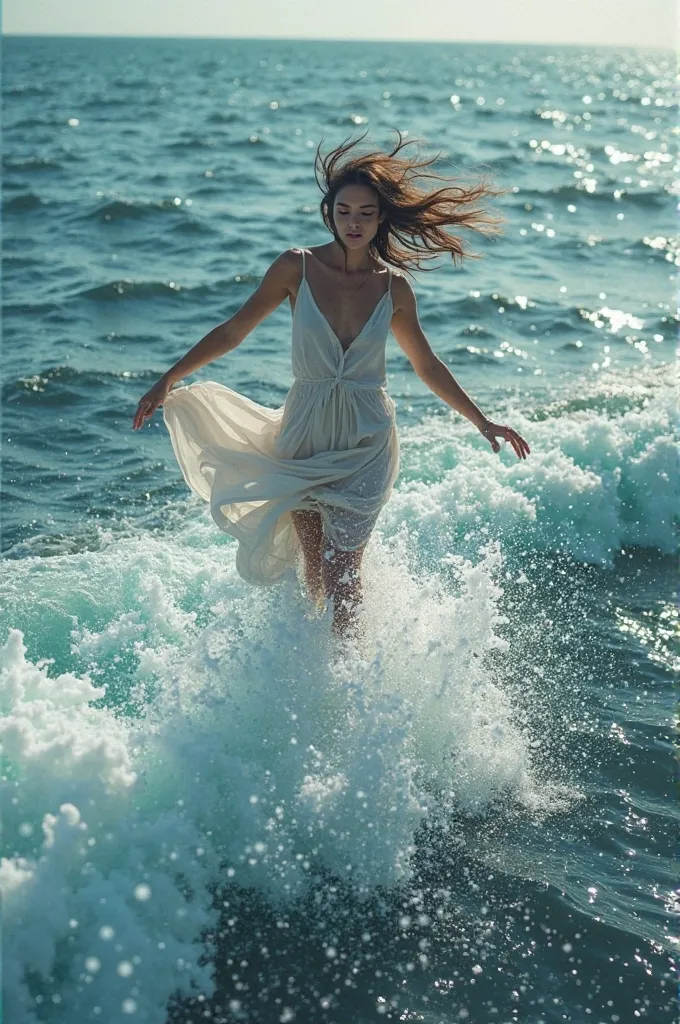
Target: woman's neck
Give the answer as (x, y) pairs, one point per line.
(358, 260)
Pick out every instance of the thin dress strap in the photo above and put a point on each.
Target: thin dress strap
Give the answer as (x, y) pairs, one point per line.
(389, 281)
(303, 264)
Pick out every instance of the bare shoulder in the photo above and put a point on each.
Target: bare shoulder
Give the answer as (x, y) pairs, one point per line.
(403, 296)
(286, 269)
(289, 259)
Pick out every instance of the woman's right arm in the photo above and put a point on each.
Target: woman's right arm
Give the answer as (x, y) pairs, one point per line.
(278, 282)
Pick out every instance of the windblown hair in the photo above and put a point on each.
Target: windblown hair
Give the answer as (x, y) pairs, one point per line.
(413, 228)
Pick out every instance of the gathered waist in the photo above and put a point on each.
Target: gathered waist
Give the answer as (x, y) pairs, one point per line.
(347, 382)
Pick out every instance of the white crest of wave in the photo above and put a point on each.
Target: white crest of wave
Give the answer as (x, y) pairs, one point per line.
(257, 752)
(599, 478)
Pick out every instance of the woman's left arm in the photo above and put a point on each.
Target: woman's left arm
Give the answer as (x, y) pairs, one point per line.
(432, 371)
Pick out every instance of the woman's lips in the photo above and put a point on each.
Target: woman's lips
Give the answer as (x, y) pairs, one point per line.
(351, 234)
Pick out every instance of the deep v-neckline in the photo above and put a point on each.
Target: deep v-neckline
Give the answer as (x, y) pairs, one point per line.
(323, 316)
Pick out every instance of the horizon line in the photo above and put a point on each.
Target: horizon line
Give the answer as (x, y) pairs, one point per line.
(338, 39)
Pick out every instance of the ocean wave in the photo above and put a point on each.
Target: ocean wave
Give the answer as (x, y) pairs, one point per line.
(125, 288)
(136, 83)
(469, 354)
(559, 319)
(195, 142)
(254, 139)
(209, 734)
(131, 209)
(193, 226)
(23, 89)
(648, 198)
(67, 376)
(661, 247)
(602, 475)
(23, 203)
(223, 116)
(26, 123)
(32, 163)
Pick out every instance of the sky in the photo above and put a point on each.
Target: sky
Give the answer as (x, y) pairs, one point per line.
(585, 22)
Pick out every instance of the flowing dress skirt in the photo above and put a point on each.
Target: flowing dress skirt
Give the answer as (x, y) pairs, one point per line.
(332, 447)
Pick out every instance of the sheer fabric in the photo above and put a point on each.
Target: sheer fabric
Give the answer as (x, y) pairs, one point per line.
(331, 447)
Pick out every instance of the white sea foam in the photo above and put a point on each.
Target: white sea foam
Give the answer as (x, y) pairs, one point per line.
(595, 481)
(254, 749)
(193, 730)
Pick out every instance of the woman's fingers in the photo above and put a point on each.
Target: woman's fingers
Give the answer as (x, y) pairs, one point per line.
(145, 410)
(523, 446)
(518, 443)
(513, 438)
(520, 447)
(148, 404)
(139, 416)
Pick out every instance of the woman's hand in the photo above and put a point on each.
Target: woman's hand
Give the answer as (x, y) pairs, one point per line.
(493, 430)
(149, 402)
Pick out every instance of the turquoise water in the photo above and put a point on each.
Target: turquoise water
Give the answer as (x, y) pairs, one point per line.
(209, 812)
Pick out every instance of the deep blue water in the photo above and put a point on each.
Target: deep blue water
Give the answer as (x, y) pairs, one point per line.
(472, 821)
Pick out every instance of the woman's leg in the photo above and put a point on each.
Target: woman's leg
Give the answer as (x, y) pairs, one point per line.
(309, 528)
(342, 579)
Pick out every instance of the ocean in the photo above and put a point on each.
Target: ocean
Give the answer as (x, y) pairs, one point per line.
(210, 811)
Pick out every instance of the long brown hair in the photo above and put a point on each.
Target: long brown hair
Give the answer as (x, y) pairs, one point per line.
(412, 230)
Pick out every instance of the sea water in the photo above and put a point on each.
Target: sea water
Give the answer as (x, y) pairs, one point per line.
(211, 810)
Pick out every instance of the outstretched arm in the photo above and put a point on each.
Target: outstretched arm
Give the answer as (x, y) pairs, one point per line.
(277, 283)
(432, 371)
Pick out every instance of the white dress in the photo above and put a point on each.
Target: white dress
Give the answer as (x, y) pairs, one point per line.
(332, 447)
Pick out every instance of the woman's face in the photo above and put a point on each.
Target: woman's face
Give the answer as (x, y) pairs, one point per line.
(356, 215)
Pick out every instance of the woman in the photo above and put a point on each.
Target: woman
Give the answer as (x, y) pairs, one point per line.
(313, 475)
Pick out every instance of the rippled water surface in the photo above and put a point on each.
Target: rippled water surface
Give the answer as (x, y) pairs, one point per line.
(210, 811)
